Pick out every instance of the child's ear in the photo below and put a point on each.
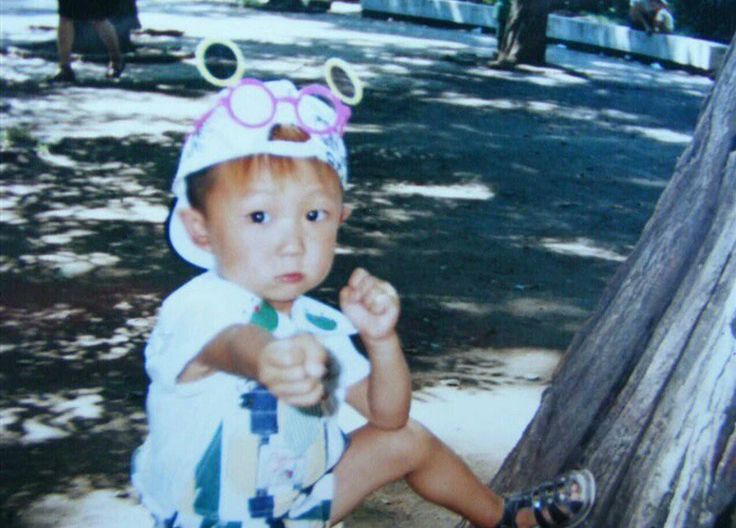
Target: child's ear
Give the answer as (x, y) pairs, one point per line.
(196, 226)
(345, 213)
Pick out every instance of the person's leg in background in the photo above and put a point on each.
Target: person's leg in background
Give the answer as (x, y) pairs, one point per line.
(97, 13)
(64, 43)
(109, 37)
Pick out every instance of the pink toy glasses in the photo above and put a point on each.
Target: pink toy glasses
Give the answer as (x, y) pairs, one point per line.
(252, 104)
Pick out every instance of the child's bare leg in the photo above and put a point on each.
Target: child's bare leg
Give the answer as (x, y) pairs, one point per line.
(377, 457)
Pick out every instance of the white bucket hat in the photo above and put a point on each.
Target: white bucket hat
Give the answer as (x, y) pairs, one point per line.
(239, 124)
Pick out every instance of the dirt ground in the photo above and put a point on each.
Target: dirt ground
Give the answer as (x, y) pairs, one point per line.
(498, 203)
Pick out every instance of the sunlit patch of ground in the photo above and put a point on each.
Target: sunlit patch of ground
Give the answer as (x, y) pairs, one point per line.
(661, 134)
(119, 113)
(58, 411)
(452, 192)
(581, 247)
(607, 117)
(480, 401)
(84, 506)
(71, 264)
(128, 209)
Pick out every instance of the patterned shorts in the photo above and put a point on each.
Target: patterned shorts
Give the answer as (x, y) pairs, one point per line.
(311, 509)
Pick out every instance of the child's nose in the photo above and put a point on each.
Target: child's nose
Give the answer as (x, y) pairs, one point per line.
(292, 238)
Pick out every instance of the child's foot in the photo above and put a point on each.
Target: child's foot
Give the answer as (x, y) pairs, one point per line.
(561, 503)
(65, 74)
(115, 69)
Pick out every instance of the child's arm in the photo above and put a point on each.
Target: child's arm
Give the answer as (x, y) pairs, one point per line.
(291, 369)
(373, 307)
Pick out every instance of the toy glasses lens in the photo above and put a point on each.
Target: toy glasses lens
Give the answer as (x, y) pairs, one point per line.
(251, 104)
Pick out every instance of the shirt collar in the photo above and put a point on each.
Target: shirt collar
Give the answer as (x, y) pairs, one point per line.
(318, 318)
(307, 314)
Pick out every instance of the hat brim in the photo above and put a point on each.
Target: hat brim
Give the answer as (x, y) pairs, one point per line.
(182, 242)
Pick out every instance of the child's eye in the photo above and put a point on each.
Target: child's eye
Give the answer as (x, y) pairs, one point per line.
(316, 215)
(259, 217)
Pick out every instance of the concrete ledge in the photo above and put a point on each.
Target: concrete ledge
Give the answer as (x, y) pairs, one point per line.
(457, 12)
(687, 51)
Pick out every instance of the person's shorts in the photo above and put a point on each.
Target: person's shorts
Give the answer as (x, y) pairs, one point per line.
(87, 9)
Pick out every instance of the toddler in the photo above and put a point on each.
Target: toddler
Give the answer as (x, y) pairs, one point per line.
(247, 373)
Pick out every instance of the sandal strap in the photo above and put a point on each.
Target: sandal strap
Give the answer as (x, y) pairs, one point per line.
(511, 506)
(558, 516)
(508, 520)
(548, 497)
(552, 503)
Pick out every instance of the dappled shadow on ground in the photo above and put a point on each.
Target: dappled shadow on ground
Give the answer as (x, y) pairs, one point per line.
(498, 203)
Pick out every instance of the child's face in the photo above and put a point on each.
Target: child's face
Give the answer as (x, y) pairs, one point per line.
(273, 236)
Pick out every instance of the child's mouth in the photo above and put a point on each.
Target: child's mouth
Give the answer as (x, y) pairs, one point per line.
(290, 278)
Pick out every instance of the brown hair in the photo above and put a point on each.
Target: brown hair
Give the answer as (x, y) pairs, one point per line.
(199, 184)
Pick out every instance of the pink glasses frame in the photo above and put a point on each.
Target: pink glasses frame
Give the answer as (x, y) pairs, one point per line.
(342, 112)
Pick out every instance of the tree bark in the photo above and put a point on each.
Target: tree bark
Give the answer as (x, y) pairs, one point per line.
(524, 39)
(646, 395)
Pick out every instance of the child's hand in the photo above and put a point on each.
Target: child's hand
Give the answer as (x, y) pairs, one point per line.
(371, 304)
(292, 369)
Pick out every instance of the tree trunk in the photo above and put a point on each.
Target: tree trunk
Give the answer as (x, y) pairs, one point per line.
(646, 395)
(522, 32)
(524, 39)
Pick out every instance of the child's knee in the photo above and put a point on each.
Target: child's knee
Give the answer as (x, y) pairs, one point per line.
(419, 434)
(412, 442)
